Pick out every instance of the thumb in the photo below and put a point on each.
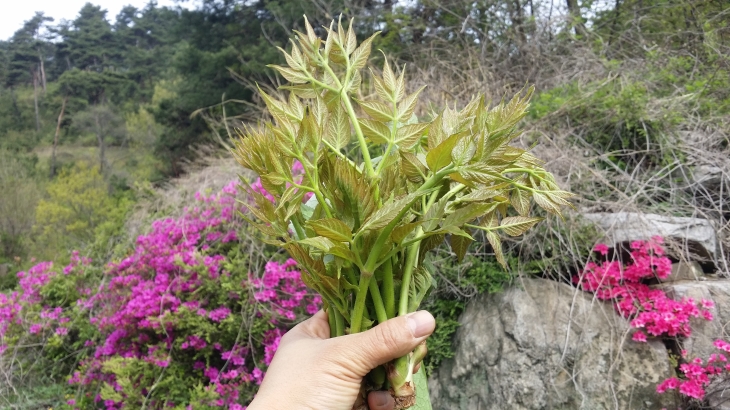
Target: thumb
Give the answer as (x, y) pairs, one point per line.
(389, 340)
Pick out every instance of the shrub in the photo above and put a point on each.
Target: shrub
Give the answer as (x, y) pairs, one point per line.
(182, 321)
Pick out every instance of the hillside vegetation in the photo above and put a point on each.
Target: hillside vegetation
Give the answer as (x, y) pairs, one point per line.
(108, 123)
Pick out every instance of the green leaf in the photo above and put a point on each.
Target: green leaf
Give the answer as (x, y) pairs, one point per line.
(409, 135)
(378, 132)
(377, 110)
(517, 225)
(291, 75)
(318, 242)
(361, 54)
(460, 245)
(545, 203)
(468, 213)
(440, 156)
(420, 286)
(496, 243)
(400, 232)
(408, 104)
(479, 195)
(385, 215)
(331, 228)
(338, 128)
(351, 41)
(520, 200)
(389, 80)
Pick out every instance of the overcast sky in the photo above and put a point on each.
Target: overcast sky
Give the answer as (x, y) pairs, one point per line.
(13, 13)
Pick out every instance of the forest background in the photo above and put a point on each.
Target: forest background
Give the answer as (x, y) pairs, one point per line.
(631, 109)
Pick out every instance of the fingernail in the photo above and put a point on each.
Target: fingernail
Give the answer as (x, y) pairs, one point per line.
(421, 323)
(379, 398)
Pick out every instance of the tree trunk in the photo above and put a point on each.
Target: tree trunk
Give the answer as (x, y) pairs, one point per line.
(35, 100)
(43, 73)
(576, 20)
(55, 137)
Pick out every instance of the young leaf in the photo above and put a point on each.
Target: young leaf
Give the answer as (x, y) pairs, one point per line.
(361, 54)
(331, 228)
(496, 243)
(377, 110)
(378, 132)
(337, 133)
(406, 107)
(440, 156)
(468, 213)
(409, 135)
(460, 245)
(318, 242)
(400, 232)
(520, 200)
(517, 225)
(388, 79)
(290, 74)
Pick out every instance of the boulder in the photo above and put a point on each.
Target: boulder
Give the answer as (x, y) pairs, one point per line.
(546, 345)
(683, 271)
(696, 236)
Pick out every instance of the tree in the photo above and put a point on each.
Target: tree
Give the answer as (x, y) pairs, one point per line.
(88, 42)
(104, 123)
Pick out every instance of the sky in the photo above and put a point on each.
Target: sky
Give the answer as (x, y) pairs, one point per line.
(13, 13)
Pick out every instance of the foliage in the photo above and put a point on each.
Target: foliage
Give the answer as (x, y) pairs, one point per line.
(456, 284)
(369, 223)
(21, 193)
(78, 209)
(180, 321)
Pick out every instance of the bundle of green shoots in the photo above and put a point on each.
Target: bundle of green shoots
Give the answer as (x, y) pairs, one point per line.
(384, 186)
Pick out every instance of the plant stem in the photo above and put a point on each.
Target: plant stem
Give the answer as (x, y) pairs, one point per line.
(358, 132)
(388, 290)
(410, 263)
(377, 302)
(339, 324)
(359, 308)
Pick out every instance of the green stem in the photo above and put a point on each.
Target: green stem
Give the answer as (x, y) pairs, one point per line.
(378, 302)
(410, 263)
(388, 290)
(372, 261)
(358, 132)
(359, 308)
(298, 228)
(339, 324)
(331, 320)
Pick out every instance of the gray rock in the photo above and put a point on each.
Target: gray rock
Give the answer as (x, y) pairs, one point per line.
(545, 345)
(697, 235)
(682, 271)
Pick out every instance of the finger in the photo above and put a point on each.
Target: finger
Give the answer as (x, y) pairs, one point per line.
(389, 340)
(380, 400)
(316, 326)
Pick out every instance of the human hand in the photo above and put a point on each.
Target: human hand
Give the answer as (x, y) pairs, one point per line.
(312, 371)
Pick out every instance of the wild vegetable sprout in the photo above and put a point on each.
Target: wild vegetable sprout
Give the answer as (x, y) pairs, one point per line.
(381, 187)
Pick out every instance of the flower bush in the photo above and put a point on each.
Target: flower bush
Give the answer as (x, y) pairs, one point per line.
(653, 312)
(183, 321)
(650, 310)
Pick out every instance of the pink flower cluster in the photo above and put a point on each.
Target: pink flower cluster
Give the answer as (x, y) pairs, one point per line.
(149, 305)
(649, 309)
(654, 311)
(697, 373)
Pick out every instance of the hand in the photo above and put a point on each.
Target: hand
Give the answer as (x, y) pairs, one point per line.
(311, 371)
